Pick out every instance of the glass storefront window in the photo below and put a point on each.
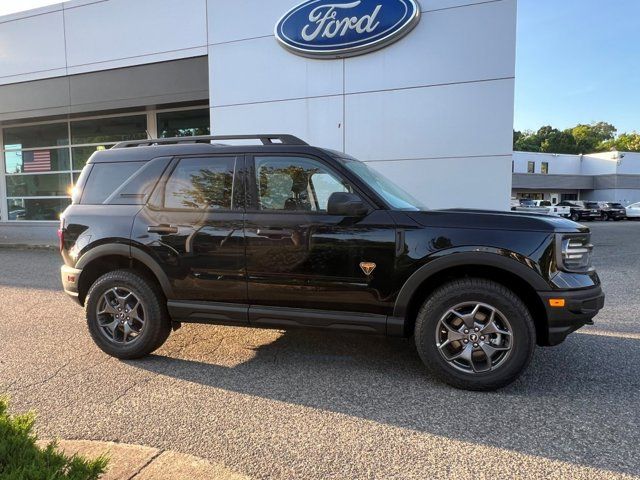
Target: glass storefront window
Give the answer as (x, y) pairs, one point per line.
(50, 135)
(33, 161)
(80, 155)
(47, 185)
(36, 208)
(187, 123)
(42, 162)
(105, 130)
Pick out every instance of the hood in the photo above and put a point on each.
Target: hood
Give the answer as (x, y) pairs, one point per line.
(495, 220)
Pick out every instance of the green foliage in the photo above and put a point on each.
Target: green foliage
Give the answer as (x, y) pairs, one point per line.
(22, 459)
(627, 142)
(597, 137)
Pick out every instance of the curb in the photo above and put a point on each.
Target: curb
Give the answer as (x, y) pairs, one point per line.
(129, 462)
(26, 246)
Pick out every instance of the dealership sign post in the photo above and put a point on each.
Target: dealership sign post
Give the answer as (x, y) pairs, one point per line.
(338, 29)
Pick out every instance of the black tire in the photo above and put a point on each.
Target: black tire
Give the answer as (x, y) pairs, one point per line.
(157, 325)
(575, 217)
(483, 291)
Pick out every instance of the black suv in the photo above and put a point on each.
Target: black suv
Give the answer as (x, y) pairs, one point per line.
(613, 211)
(282, 235)
(582, 210)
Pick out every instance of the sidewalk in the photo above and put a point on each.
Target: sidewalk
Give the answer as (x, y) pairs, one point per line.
(16, 235)
(129, 462)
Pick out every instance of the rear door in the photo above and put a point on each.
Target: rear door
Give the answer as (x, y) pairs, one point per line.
(193, 226)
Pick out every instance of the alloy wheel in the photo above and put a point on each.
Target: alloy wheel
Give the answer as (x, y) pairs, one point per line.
(121, 316)
(474, 337)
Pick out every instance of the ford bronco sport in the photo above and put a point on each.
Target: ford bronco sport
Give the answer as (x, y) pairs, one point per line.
(282, 234)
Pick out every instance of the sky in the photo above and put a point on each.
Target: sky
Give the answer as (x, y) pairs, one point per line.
(577, 61)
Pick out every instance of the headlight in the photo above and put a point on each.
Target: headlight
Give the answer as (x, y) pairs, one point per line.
(574, 252)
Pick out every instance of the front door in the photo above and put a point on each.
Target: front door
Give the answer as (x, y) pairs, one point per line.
(300, 257)
(193, 226)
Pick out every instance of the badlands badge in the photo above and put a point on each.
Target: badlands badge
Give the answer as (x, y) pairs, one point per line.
(368, 267)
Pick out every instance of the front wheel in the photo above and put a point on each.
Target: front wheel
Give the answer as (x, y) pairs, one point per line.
(126, 315)
(475, 334)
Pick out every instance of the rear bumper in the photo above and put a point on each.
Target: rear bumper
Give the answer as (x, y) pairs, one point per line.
(580, 308)
(70, 277)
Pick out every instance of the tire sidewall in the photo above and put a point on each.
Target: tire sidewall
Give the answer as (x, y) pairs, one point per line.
(523, 335)
(153, 312)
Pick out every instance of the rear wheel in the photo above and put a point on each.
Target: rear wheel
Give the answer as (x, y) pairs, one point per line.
(575, 217)
(126, 315)
(475, 334)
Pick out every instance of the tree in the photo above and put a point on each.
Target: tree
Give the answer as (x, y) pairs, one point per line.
(626, 142)
(526, 142)
(553, 140)
(589, 137)
(596, 137)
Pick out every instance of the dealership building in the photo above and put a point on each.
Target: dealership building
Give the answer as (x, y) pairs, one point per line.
(609, 177)
(429, 101)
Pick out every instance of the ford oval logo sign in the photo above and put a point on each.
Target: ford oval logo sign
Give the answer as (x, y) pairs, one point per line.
(344, 28)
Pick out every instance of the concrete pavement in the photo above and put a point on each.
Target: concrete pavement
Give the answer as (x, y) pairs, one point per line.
(284, 405)
(145, 463)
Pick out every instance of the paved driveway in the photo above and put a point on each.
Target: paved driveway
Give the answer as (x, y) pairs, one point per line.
(271, 404)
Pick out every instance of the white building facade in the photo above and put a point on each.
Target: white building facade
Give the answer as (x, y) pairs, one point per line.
(433, 110)
(609, 176)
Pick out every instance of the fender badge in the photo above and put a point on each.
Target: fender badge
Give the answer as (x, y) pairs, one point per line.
(368, 267)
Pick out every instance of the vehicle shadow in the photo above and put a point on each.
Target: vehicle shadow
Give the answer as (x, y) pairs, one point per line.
(588, 380)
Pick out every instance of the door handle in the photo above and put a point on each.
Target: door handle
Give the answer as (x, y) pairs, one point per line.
(274, 233)
(162, 229)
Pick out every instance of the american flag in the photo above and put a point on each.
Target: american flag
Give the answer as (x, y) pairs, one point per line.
(39, 162)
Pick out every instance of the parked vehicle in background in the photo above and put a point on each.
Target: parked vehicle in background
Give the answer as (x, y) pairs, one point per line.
(612, 211)
(281, 234)
(633, 211)
(580, 211)
(553, 209)
(527, 205)
(17, 214)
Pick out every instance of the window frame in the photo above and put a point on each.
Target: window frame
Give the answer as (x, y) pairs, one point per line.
(252, 191)
(531, 166)
(156, 199)
(544, 168)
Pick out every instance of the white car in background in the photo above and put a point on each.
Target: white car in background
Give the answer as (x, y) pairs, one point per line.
(633, 211)
(553, 209)
(527, 205)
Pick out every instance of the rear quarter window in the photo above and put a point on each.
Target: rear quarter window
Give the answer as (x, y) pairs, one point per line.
(105, 178)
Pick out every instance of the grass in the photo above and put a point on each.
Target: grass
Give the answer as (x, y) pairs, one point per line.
(22, 459)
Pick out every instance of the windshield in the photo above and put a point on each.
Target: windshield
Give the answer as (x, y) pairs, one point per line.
(395, 196)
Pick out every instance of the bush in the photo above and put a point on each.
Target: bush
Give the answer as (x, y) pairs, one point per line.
(22, 459)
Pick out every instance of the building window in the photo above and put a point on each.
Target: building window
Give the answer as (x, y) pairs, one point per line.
(43, 161)
(183, 123)
(531, 167)
(544, 169)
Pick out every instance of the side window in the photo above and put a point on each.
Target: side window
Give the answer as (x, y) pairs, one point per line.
(201, 184)
(105, 178)
(531, 167)
(295, 184)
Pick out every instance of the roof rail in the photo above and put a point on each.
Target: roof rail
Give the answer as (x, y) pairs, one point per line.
(264, 138)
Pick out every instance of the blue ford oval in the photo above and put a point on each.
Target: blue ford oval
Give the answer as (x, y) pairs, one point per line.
(344, 28)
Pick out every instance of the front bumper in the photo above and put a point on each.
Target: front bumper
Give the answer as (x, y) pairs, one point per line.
(616, 214)
(580, 308)
(70, 278)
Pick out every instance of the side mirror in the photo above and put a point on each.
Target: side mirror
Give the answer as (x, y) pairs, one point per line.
(347, 205)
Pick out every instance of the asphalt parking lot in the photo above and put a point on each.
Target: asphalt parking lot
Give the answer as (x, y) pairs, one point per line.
(284, 405)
